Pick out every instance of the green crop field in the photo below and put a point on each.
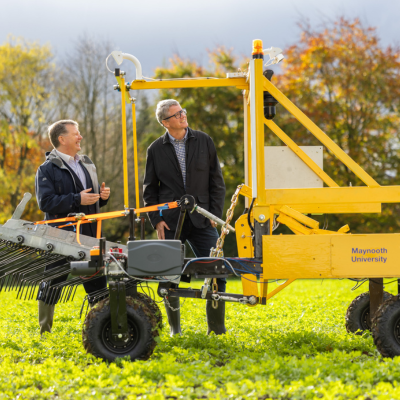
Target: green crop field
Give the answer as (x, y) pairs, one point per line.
(294, 348)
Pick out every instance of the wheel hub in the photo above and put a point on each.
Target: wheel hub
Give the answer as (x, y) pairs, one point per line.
(365, 319)
(119, 346)
(397, 331)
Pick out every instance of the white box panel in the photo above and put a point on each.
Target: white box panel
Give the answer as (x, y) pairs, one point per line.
(285, 170)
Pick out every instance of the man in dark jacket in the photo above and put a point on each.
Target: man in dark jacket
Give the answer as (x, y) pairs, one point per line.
(67, 183)
(184, 161)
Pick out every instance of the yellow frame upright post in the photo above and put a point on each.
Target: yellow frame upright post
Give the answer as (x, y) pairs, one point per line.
(124, 145)
(259, 117)
(135, 154)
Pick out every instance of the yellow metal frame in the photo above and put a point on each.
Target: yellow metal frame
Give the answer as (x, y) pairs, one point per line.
(308, 253)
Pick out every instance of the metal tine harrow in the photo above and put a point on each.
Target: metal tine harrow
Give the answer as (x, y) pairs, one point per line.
(29, 269)
(42, 278)
(22, 268)
(64, 291)
(14, 258)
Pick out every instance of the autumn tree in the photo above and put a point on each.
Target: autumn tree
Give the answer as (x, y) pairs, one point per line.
(26, 76)
(348, 84)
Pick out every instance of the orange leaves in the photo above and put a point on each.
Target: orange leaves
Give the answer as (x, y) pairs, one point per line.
(25, 86)
(349, 85)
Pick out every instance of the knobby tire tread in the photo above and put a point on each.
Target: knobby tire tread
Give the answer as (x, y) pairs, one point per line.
(353, 323)
(153, 306)
(103, 307)
(383, 337)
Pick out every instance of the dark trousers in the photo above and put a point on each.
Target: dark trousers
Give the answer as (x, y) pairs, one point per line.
(200, 240)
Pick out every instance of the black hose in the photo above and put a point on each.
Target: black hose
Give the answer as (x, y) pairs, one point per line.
(248, 215)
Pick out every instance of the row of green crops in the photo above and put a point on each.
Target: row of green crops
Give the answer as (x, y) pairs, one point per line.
(294, 348)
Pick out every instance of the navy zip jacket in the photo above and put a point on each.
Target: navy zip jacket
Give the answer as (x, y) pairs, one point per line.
(58, 190)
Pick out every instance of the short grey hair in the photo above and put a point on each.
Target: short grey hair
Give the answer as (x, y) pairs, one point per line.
(163, 107)
(59, 129)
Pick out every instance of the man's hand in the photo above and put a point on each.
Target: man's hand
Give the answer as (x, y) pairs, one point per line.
(160, 230)
(104, 192)
(87, 199)
(213, 223)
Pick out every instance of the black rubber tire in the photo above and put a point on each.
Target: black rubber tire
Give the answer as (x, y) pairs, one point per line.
(142, 324)
(386, 327)
(357, 315)
(153, 306)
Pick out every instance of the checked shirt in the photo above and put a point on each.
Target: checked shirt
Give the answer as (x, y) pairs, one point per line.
(180, 150)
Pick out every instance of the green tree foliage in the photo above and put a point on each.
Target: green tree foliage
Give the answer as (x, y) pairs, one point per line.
(26, 76)
(348, 84)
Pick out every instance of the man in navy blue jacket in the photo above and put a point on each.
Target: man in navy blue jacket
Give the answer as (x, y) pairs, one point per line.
(67, 183)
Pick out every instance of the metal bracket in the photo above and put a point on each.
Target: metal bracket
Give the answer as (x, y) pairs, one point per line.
(119, 318)
(260, 229)
(21, 206)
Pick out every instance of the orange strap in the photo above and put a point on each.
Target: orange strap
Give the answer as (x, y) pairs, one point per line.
(158, 207)
(98, 233)
(95, 217)
(109, 215)
(79, 220)
(78, 228)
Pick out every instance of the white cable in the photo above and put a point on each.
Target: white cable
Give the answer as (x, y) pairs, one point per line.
(233, 270)
(275, 224)
(199, 258)
(149, 280)
(107, 64)
(119, 265)
(150, 79)
(269, 62)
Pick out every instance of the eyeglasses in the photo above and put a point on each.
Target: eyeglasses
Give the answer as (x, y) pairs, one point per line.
(178, 115)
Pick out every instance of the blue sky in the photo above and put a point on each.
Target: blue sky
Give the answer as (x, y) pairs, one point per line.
(153, 30)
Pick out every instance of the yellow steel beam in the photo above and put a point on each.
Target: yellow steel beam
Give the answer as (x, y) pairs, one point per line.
(279, 288)
(259, 108)
(323, 208)
(124, 146)
(247, 144)
(239, 83)
(135, 154)
(300, 153)
(331, 208)
(319, 134)
(294, 225)
(246, 191)
(244, 237)
(312, 223)
(331, 256)
(249, 286)
(127, 98)
(337, 195)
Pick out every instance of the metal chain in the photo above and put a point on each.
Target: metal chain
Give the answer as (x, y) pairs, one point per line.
(214, 289)
(217, 251)
(172, 308)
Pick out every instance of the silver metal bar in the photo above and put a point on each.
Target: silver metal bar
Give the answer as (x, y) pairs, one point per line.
(207, 214)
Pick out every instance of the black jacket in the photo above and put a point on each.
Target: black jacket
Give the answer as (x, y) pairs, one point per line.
(58, 190)
(163, 181)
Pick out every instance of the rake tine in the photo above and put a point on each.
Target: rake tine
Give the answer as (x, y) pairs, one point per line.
(73, 295)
